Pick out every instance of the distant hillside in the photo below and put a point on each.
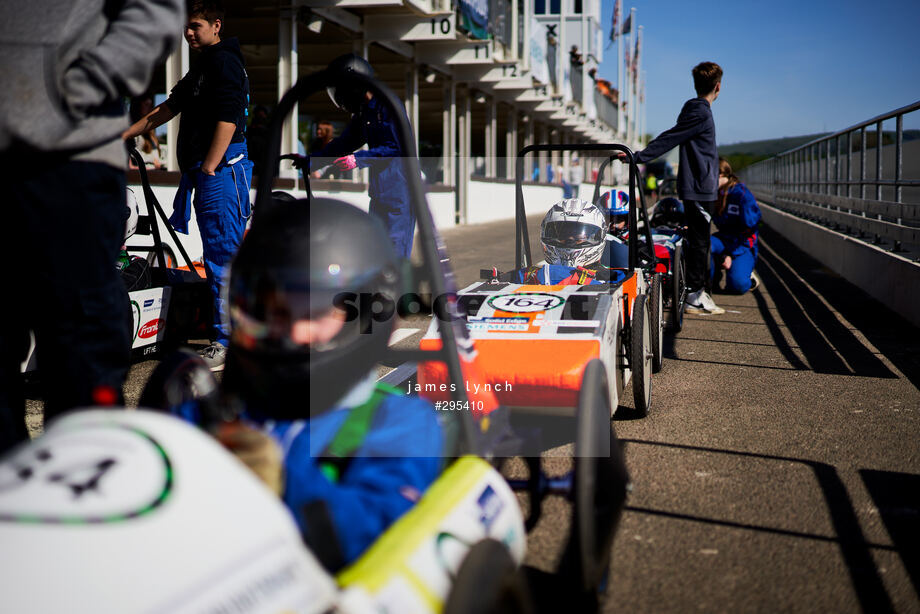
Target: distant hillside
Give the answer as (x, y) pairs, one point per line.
(769, 147)
(740, 155)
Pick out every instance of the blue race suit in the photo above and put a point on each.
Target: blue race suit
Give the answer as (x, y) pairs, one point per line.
(222, 209)
(737, 237)
(389, 188)
(215, 89)
(553, 274)
(353, 500)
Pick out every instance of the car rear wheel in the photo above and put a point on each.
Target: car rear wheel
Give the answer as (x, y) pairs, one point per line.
(656, 317)
(599, 492)
(678, 290)
(641, 356)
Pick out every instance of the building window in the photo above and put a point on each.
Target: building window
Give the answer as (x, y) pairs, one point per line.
(578, 10)
(555, 7)
(539, 7)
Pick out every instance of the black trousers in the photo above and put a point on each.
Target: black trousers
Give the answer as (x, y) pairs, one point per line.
(698, 215)
(64, 223)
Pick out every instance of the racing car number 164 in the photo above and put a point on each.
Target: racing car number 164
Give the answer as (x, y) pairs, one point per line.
(525, 302)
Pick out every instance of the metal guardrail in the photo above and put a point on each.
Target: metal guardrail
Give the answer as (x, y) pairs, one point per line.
(815, 181)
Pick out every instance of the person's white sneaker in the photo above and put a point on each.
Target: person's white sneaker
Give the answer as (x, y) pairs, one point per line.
(701, 302)
(755, 280)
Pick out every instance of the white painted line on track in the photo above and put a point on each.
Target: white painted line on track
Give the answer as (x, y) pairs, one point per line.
(402, 333)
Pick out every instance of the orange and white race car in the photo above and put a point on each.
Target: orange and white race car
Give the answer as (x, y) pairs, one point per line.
(533, 342)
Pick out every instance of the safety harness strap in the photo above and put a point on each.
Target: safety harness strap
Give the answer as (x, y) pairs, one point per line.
(351, 435)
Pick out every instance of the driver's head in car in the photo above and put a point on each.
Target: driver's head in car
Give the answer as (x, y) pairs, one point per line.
(616, 206)
(572, 233)
(302, 362)
(572, 236)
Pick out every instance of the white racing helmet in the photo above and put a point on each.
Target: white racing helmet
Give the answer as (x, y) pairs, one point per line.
(572, 233)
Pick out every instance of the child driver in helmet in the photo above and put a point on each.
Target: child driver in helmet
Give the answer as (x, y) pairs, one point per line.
(573, 234)
(355, 454)
(616, 251)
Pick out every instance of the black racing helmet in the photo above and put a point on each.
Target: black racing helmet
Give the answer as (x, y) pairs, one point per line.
(668, 212)
(344, 92)
(308, 267)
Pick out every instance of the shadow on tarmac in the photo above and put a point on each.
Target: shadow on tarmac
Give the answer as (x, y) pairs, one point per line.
(889, 490)
(797, 283)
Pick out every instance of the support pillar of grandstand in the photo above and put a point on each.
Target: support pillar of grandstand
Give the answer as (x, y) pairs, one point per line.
(543, 137)
(555, 138)
(361, 47)
(412, 99)
(464, 117)
(287, 77)
(511, 139)
(176, 67)
(491, 137)
(528, 140)
(449, 132)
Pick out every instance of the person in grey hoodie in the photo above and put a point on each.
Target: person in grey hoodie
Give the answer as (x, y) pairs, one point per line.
(697, 177)
(65, 68)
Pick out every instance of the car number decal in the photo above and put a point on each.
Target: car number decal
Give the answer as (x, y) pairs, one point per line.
(526, 302)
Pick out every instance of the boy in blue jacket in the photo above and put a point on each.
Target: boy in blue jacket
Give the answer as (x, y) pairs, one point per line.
(697, 177)
(213, 98)
(356, 454)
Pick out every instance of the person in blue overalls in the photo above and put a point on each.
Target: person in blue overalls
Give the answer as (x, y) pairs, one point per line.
(573, 238)
(734, 246)
(213, 98)
(301, 371)
(371, 124)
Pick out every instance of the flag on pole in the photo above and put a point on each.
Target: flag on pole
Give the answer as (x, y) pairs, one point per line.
(627, 25)
(635, 59)
(616, 21)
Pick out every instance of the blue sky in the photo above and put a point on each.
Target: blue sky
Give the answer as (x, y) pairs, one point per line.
(791, 67)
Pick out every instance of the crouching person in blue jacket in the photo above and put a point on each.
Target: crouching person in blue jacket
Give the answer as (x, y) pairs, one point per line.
(734, 246)
(301, 364)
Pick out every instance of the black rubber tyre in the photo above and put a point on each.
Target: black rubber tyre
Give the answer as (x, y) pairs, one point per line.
(489, 582)
(678, 289)
(168, 254)
(656, 322)
(640, 359)
(600, 487)
(181, 376)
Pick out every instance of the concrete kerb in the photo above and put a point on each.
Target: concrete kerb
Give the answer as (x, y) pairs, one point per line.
(888, 277)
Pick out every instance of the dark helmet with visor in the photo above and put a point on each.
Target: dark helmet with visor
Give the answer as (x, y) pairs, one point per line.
(312, 296)
(344, 92)
(668, 212)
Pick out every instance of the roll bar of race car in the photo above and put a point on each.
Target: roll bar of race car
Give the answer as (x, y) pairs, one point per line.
(453, 332)
(642, 210)
(522, 257)
(154, 209)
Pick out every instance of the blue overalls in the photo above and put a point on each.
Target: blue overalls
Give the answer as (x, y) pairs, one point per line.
(344, 496)
(388, 188)
(553, 274)
(222, 209)
(737, 237)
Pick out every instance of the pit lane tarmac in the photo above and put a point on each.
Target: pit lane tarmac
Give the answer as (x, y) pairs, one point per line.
(779, 468)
